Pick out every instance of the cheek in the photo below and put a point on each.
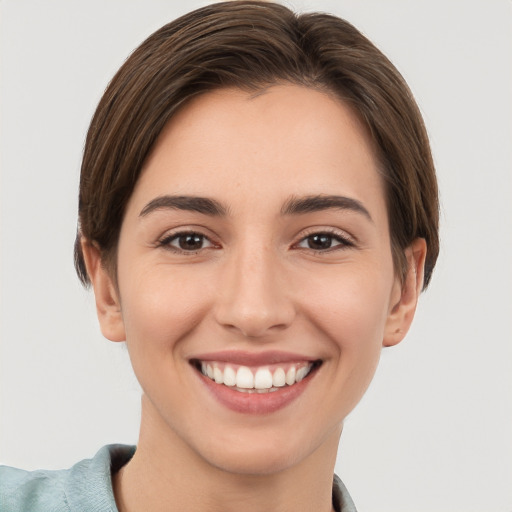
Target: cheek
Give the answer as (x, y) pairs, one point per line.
(160, 308)
(350, 305)
(351, 318)
(353, 325)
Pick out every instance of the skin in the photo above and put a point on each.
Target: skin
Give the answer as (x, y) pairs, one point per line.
(257, 283)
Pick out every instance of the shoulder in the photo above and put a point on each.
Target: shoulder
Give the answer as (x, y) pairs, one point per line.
(32, 490)
(85, 486)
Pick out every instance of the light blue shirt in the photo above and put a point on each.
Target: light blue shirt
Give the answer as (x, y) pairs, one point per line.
(87, 486)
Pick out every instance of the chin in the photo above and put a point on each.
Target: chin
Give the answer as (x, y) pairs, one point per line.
(266, 453)
(254, 461)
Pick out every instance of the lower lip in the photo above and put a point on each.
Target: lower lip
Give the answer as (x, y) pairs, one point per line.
(256, 403)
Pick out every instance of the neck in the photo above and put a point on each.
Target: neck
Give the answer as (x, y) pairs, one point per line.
(166, 474)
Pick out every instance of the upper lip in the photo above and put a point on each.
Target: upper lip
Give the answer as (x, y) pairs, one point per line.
(252, 358)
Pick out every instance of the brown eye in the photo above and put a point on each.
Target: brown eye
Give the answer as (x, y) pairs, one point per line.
(192, 242)
(324, 242)
(320, 241)
(186, 242)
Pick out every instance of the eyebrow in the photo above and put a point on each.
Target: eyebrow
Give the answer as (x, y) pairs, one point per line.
(202, 205)
(293, 206)
(309, 204)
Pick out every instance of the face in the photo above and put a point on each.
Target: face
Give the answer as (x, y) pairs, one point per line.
(255, 279)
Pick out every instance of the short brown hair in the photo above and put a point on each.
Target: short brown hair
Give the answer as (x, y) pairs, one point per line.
(250, 45)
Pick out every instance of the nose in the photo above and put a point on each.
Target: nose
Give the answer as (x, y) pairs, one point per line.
(253, 298)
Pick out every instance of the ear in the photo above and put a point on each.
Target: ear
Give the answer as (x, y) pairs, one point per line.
(405, 294)
(108, 306)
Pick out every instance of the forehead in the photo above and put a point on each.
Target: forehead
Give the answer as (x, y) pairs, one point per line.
(247, 147)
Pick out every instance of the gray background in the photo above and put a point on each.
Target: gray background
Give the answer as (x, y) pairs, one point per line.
(433, 432)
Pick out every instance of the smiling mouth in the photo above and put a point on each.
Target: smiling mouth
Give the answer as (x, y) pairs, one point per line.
(259, 379)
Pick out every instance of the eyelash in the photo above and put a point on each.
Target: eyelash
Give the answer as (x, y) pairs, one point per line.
(343, 242)
(167, 240)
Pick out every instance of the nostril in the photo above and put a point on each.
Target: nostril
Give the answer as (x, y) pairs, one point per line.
(256, 323)
(252, 330)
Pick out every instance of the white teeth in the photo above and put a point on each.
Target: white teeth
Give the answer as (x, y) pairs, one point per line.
(263, 379)
(279, 378)
(244, 378)
(229, 376)
(218, 375)
(290, 376)
(301, 373)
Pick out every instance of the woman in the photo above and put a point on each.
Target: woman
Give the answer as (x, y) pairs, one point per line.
(258, 214)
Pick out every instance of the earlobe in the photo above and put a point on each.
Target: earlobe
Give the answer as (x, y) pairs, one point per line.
(402, 309)
(108, 307)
